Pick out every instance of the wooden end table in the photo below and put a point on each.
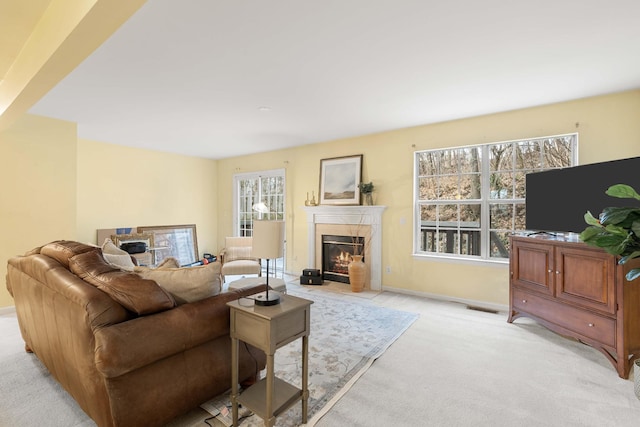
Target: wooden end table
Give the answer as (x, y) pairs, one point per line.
(269, 328)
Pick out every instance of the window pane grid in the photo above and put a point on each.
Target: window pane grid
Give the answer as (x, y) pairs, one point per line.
(246, 199)
(255, 189)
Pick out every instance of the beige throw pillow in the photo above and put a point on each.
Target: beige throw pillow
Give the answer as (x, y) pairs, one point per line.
(116, 257)
(169, 262)
(186, 284)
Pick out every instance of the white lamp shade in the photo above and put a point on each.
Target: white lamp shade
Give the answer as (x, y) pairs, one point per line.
(268, 239)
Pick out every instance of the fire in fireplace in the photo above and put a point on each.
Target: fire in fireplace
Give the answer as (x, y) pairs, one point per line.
(336, 255)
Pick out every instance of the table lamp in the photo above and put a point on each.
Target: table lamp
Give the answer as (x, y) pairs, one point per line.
(268, 243)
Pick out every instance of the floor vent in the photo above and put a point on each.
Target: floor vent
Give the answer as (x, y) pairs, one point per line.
(484, 309)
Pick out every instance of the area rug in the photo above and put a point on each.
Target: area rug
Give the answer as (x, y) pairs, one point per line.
(347, 335)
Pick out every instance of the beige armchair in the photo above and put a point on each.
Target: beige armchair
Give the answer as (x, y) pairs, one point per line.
(236, 258)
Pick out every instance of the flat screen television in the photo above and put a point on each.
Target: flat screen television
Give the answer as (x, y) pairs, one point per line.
(557, 200)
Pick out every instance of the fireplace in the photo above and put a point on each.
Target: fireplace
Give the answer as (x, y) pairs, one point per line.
(336, 255)
(341, 221)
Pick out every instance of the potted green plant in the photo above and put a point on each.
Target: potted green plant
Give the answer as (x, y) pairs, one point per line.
(366, 188)
(617, 229)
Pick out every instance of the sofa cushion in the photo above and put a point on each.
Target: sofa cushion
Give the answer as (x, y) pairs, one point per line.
(136, 294)
(169, 262)
(116, 257)
(241, 266)
(34, 251)
(63, 250)
(187, 284)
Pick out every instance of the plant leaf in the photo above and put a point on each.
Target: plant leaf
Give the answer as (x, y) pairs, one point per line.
(632, 255)
(623, 191)
(590, 219)
(616, 215)
(617, 230)
(633, 274)
(613, 244)
(589, 232)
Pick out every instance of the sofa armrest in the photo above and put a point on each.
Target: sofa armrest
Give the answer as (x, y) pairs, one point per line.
(130, 345)
(35, 280)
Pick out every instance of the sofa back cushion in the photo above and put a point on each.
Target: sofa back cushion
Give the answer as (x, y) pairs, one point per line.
(136, 294)
(186, 284)
(63, 250)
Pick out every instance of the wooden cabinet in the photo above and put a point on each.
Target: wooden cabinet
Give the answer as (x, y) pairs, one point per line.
(577, 291)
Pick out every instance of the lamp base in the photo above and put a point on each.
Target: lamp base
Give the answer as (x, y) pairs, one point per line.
(266, 299)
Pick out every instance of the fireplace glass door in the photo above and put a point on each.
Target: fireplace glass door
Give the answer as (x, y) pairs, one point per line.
(336, 255)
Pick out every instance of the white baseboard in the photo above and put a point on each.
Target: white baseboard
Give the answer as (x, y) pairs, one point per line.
(469, 302)
(7, 310)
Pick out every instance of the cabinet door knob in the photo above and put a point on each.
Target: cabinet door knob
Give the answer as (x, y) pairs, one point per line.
(557, 272)
(591, 325)
(524, 301)
(549, 271)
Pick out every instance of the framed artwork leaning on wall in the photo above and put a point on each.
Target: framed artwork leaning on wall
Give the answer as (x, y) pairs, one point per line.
(179, 241)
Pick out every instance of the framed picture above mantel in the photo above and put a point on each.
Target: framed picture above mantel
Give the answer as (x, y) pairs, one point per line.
(339, 179)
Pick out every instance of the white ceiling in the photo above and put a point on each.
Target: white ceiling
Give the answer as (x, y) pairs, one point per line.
(192, 76)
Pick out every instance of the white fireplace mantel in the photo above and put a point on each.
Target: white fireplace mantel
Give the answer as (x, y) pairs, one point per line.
(350, 215)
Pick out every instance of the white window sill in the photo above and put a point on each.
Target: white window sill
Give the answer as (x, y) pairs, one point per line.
(501, 263)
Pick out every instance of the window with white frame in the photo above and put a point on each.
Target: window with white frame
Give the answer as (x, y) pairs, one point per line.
(468, 200)
(257, 195)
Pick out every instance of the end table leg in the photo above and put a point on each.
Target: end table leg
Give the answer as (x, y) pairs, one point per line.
(234, 380)
(305, 377)
(270, 420)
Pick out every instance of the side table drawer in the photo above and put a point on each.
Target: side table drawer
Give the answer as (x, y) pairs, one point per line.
(270, 335)
(250, 329)
(586, 323)
(290, 327)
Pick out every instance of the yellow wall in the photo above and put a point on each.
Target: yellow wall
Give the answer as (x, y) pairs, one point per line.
(608, 127)
(37, 187)
(54, 186)
(126, 187)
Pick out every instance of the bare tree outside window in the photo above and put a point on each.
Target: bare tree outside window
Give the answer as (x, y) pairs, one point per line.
(470, 199)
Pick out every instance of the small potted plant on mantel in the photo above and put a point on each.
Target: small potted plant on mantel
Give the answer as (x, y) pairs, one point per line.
(617, 229)
(366, 188)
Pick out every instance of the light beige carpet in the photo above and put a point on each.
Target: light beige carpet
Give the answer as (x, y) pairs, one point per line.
(452, 367)
(458, 367)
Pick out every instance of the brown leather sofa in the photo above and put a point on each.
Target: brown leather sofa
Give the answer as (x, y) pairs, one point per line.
(118, 343)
